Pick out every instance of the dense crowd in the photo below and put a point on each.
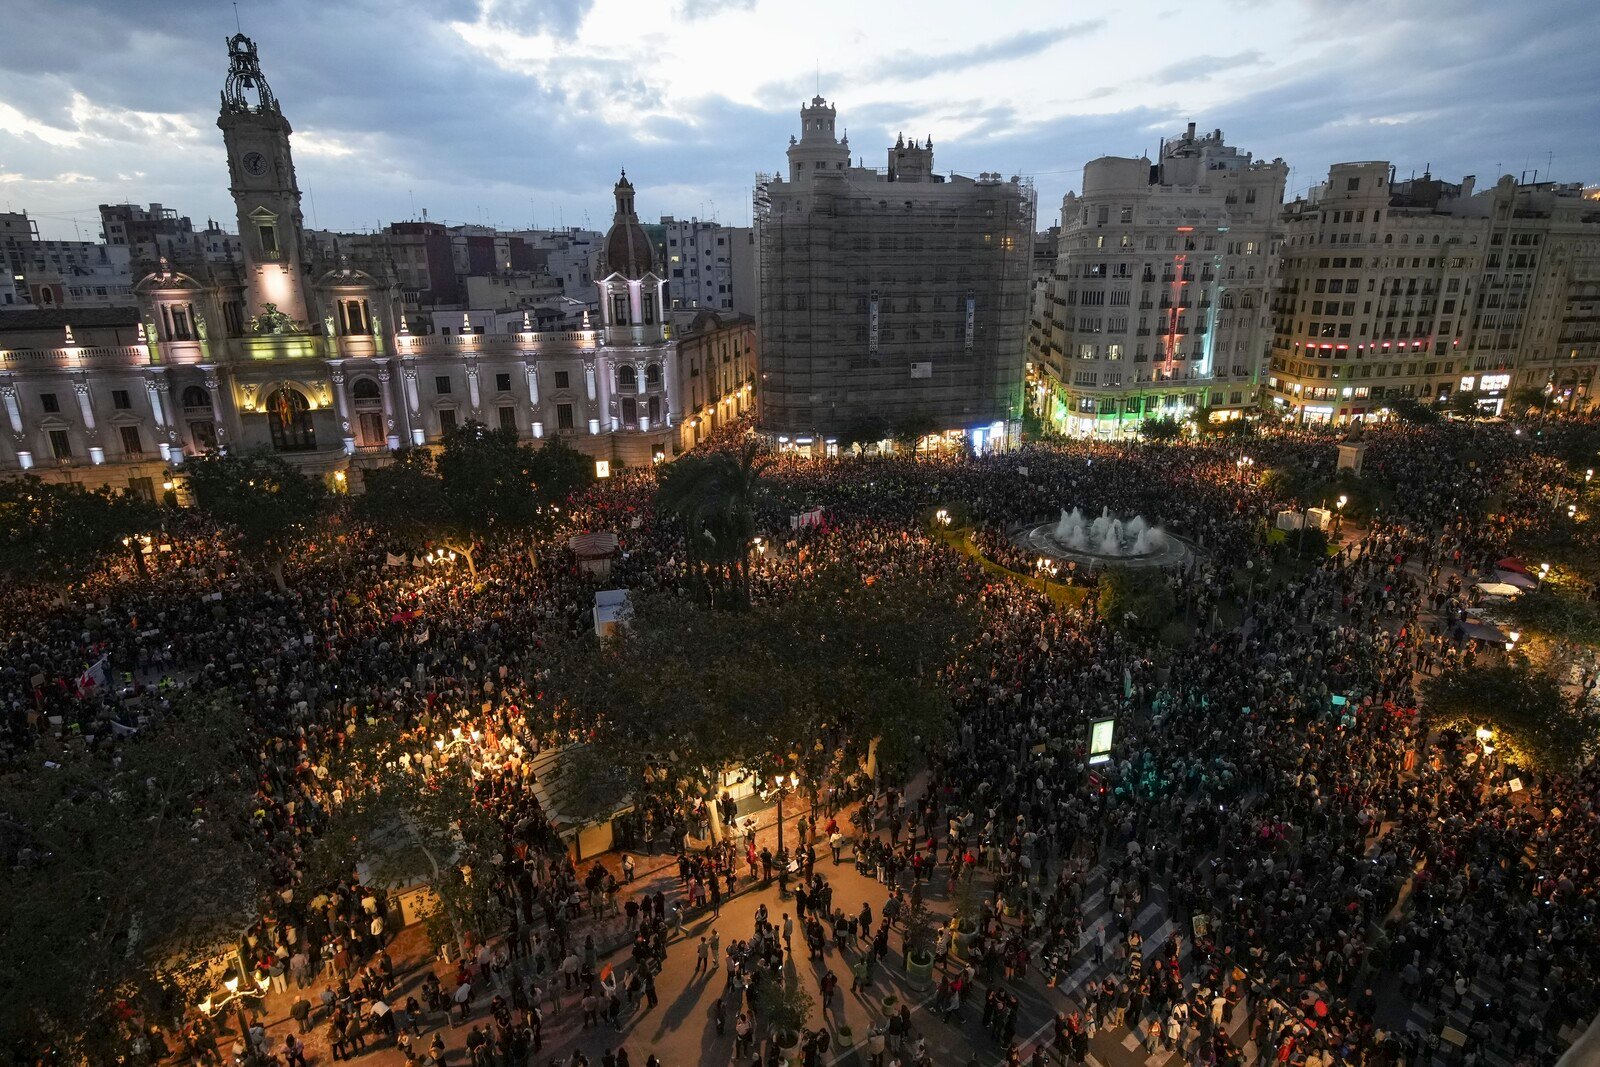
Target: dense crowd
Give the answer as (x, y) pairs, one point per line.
(1272, 786)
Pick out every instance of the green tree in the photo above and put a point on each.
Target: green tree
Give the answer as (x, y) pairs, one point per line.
(266, 501)
(806, 685)
(1464, 405)
(1408, 409)
(62, 531)
(714, 497)
(483, 485)
(119, 875)
(1536, 724)
(1526, 399)
(863, 430)
(1160, 429)
(910, 430)
(1136, 600)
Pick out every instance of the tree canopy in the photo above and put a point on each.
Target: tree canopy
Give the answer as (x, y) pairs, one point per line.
(264, 499)
(1160, 429)
(483, 484)
(782, 688)
(714, 498)
(116, 872)
(1136, 600)
(49, 529)
(1536, 724)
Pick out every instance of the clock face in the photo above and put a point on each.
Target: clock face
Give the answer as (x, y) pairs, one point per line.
(254, 163)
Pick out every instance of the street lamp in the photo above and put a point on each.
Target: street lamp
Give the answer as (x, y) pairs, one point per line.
(212, 1007)
(780, 786)
(1544, 571)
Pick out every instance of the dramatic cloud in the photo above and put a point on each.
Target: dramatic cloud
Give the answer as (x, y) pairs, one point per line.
(522, 111)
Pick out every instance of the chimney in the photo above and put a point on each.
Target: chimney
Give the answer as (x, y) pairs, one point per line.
(1191, 131)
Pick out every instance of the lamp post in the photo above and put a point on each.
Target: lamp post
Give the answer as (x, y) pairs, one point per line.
(236, 996)
(780, 786)
(1338, 522)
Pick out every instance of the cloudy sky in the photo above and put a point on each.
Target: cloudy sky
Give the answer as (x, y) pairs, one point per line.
(518, 112)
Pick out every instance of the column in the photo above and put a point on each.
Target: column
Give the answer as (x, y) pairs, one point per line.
(413, 403)
(97, 454)
(341, 405)
(152, 387)
(472, 387)
(8, 393)
(392, 437)
(669, 378)
(589, 383)
(531, 369)
(213, 387)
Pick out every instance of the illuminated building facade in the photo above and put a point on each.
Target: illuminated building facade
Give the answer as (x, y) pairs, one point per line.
(1159, 304)
(298, 350)
(717, 367)
(1380, 284)
(890, 298)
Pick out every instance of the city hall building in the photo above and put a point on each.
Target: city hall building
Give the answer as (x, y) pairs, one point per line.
(309, 354)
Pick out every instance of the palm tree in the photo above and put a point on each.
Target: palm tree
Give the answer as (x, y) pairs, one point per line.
(715, 496)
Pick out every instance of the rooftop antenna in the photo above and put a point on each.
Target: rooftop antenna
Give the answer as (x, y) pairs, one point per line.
(236, 24)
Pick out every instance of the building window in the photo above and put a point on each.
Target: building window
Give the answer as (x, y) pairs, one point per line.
(652, 374)
(508, 419)
(289, 420)
(441, 384)
(502, 383)
(60, 444)
(195, 397)
(49, 403)
(130, 440)
(269, 240)
(563, 416)
(203, 432)
(369, 427)
(619, 309)
(630, 411)
(354, 313)
(447, 420)
(562, 379)
(627, 377)
(648, 303)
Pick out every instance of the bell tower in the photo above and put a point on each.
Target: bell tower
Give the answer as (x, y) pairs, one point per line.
(265, 193)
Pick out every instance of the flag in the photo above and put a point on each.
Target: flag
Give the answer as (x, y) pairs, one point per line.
(94, 676)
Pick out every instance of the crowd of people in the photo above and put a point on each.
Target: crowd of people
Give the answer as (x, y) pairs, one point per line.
(1321, 860)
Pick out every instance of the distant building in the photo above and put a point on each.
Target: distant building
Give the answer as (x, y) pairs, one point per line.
(43, 273)
(718, 368)
(709, 267)
(890, 299)
(1159, 304)
(1377, 296)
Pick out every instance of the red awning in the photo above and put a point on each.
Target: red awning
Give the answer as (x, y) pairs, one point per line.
(1512, 563)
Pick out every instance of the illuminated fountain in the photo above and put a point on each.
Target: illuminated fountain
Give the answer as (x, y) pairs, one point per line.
(1104, 541)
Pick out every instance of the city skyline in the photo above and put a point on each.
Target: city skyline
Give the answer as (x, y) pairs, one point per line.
(693, 98)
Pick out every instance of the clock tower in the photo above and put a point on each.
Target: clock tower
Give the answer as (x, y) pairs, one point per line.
(261, 178)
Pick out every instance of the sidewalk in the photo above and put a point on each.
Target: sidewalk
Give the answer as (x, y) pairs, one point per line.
(413, 954)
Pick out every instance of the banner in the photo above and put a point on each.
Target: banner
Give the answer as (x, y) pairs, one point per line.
(394, 560)
(95, 676)
(972, 304)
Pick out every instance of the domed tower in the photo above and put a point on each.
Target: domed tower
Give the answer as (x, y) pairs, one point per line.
(630, 286)
(818, 151)
(265, 192)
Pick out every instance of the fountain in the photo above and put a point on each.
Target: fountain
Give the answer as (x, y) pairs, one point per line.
(1106, 540)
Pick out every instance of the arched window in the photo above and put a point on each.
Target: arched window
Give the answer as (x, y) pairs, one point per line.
(196, 397)
(365, 389)
(289, 419)
(652, 376)
(627, 377)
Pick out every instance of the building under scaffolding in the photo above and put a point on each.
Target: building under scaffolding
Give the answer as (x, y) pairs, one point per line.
(891, 300)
